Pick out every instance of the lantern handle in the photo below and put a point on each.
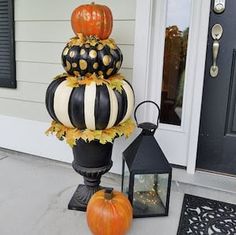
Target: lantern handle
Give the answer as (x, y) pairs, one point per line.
(147, 101)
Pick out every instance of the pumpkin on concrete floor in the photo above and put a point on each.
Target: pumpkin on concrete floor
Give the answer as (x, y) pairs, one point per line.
(109, 213)
(92, 19)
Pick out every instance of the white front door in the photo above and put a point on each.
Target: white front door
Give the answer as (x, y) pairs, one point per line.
(170, 47)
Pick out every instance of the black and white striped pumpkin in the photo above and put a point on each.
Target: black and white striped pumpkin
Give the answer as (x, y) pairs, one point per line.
(80, 60)
(94, 107)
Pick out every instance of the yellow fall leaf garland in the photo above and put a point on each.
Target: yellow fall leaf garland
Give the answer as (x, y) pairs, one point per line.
(80, 40)
(114, 82)
(103, 136)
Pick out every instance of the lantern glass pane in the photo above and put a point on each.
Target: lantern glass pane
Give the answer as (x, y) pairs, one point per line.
(125, 188)
(150, 192)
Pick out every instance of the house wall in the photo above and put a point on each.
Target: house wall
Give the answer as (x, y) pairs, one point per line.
(41, 30)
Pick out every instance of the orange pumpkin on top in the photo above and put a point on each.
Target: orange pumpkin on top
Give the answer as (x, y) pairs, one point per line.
(92, 20)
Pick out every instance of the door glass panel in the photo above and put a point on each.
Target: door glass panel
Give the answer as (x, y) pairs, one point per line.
(176, 41)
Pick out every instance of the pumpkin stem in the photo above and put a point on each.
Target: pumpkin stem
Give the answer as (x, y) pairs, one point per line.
(108, 193)
(92, 3)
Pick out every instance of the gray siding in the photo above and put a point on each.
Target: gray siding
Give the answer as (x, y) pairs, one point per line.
(41, 30)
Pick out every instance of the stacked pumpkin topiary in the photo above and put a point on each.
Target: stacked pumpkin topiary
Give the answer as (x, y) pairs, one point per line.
(91, 104)
(91, 101)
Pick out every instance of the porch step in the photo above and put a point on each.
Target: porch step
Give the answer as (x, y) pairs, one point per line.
(204, 179)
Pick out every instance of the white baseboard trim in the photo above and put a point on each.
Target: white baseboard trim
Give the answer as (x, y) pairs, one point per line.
(28, 136)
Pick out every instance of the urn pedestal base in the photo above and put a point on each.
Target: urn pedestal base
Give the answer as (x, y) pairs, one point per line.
(88, 154)
(84, 192)
(78, 201)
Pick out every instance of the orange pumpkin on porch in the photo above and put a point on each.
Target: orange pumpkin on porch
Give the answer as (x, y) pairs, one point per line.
(109, 213)
(92, 20)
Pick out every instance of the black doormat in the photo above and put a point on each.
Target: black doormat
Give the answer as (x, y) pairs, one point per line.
(204, 216)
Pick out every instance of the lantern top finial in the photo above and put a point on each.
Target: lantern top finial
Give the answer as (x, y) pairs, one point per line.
(148, 128)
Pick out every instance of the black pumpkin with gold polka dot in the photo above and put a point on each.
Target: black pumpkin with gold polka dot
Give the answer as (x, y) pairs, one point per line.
(83, 59)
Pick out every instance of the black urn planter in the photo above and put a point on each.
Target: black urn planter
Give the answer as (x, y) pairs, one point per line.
(91, 160)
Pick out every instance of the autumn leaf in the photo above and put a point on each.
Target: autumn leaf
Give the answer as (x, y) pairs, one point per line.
(71, 142)
(128, 128)
(109, 42)
(88, 135)
(71, 136)
(63, 75)
(101, 81)
(72, 81)
(103, 136)
(116, 84)
(97, 134)
(107, 136)
(117, 76)
(49, 130)
(80, 40)
(77, 41)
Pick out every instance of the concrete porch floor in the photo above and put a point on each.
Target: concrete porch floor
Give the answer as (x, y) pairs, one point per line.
(34, 193)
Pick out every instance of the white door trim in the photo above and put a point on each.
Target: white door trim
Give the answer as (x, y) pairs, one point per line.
(201, 47)
(149, 48)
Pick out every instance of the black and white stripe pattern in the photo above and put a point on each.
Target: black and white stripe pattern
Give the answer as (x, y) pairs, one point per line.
(94, 107)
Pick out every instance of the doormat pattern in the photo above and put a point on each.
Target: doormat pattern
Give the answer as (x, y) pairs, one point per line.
(204, 216)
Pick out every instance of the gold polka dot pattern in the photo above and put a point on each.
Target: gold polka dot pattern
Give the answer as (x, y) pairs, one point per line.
(83, 64)
(68, 66)
(106, 60)
(95, 65)
(93, 54)
(84, 59)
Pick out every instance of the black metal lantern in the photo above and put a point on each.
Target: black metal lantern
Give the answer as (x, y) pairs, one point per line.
(146, 173)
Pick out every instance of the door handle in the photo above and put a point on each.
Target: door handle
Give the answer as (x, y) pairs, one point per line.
(215, 50)
(216, 33)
